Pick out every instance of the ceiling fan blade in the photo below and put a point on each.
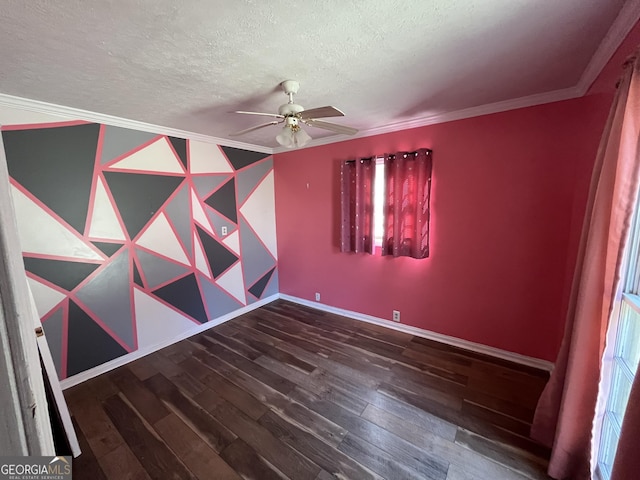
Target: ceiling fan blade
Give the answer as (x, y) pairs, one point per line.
(276, 115)
(334, 127)
(247, 130)
(320, 112)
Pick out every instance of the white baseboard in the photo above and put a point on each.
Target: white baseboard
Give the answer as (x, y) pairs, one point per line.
(123, 360)
(419, 332)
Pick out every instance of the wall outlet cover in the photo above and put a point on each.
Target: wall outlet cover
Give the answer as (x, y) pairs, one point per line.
(396, 315)
(317, 297)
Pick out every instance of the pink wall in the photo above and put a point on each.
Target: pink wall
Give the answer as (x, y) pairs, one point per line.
(507, 205)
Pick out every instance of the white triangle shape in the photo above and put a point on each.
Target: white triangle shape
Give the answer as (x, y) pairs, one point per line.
(155, 322)
(260, 212)
(198, 213)
(233, 242)
(156, 157)
(207, 158)
(45, 297)
(104, 221)
(160, 238)
(233, 282)
(41, 233)
(200, 260)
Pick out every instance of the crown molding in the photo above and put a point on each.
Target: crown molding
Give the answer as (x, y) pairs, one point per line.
(79, 114)
(620, 28)
(488, 109)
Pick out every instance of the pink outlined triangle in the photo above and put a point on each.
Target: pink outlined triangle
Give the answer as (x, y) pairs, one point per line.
(199, 215)
(156, 157)
(104, 223)
(159, 237)
(200, 259)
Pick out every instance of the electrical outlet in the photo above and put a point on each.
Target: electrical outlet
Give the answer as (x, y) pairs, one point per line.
(224, 230)
(317, 297)
(396, 315)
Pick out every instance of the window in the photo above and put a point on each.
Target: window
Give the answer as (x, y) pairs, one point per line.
(626, 352)
(378, 203)
(390, 212)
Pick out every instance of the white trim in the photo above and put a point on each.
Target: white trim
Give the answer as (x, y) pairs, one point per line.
(497, 107)
(419, 332)
(70, 113)
(620, 28)
(118, 362)
(25, 425)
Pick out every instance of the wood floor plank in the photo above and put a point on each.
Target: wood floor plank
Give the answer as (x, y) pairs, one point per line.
(517, 460)
(226, 389)
(291, 339)
(142, 368)
(315, 384)
(120, 463)
(277, 354)
(159, 462)
(241, 348)
(248, 463)
(397, 447)
(208, 427)
(275, 400)
(142, 399)
(377, 460)
(475, 465)
(247, 366)
(101, 434)
(284, 458)
(323, 454)
(496, 404)
(496, 418)
(467, 421)
(86, 466)
(196, 454)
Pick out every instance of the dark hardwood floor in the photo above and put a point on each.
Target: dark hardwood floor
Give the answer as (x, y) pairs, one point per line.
(289, 392)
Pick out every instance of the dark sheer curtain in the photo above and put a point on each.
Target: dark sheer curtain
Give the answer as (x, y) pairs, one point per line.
(357, 180)
(406, 205)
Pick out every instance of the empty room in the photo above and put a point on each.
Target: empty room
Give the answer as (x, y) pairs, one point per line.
(352, 240)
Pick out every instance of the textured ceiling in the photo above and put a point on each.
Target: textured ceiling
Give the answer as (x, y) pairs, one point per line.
(186, 64)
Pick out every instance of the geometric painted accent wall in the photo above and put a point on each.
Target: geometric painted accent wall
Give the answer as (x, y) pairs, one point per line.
(131, 238)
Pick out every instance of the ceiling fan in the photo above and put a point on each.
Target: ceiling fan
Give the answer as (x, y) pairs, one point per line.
(292, 115)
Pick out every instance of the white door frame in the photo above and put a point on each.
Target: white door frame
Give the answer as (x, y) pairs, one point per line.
(25, 424)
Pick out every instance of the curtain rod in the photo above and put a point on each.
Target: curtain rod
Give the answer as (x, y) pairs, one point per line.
(428, 151)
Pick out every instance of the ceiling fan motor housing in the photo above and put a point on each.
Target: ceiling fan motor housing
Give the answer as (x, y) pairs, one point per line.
(290, 109)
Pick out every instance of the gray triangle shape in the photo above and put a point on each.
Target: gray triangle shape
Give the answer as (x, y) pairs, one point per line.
(219, 221)
(248, 179)
(256, 259)
(206, 184)
(218, 302)
(108, 295)
(178, 212)
(117, 141)
(157, 270)
(53, 333)
(273, 286)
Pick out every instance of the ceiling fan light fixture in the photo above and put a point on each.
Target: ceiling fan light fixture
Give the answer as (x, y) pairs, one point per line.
(292, 136)
(301, 138)
(285, 137)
